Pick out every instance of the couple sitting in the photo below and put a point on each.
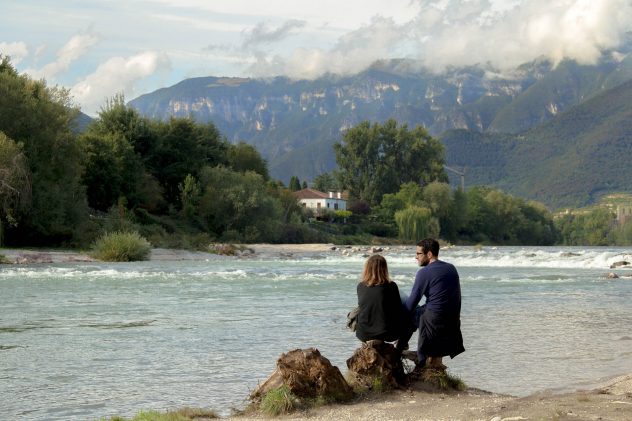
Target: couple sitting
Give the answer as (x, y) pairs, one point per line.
(383, 315)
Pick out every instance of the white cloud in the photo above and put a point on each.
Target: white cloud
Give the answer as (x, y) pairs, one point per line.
(352, 53)
(16, 50)
(263, 34)
(76, 47)
(502, 33)
(470, 32)
(116, 75)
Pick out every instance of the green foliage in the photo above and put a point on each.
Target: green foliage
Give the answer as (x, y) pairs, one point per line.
(378, 159)
(591, 228)
(570, 161)
(493, 216)
(121, 247)
(415, 223)
(15, 182)
(326, 182)
(41, 119)
(237, 206)
(295, 184)
(189, 196)
(279, 401)
(243, 157)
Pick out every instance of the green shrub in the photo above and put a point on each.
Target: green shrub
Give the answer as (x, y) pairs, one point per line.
(279, 401)
(121, 247)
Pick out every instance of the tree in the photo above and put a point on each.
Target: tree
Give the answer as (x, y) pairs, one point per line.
(377, 159)
(409, 194)
(184, 147)
(41, 119)
(237, 206)
(243, 157)
(295, 184)
(416, 223)
(326, 182)
(15, 183)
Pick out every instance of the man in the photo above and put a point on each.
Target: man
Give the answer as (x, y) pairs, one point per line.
(439, 319)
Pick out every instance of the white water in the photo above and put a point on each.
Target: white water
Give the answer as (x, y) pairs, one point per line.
(86, 341)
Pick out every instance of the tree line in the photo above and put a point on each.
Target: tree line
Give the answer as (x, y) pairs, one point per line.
(182, 184)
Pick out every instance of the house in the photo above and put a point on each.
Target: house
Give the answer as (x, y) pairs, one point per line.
(319, 201)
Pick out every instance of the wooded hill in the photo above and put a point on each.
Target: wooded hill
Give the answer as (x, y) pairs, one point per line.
(572, 160)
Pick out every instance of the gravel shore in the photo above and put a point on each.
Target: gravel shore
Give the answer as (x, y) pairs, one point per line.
(611, 401)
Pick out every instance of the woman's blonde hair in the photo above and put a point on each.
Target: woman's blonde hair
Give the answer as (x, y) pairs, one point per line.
(375, 271)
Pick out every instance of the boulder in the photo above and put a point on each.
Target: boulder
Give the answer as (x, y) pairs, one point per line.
(619, 264)
(308, 375)
(612, 275)
(376, 360)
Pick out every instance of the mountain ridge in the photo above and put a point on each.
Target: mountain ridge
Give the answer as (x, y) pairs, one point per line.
(294, 123)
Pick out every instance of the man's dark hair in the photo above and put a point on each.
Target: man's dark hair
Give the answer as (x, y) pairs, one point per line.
(429, 244)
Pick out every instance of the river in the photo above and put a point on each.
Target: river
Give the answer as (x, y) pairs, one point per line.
(90, 340)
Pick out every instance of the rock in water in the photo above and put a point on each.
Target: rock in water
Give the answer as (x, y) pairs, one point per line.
(308, 375)
(376, 361)
(619, 264)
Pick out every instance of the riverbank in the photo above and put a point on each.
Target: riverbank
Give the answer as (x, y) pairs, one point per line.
(39, 256)
(610, 401)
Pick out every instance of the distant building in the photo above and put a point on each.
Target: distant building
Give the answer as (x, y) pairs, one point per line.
(319, 201)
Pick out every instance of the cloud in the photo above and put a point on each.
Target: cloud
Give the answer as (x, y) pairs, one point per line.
(261, 34)
(16, 50)
(444, 33)
(352, 53)
(76, 47)
(471, 32)
(116, 75)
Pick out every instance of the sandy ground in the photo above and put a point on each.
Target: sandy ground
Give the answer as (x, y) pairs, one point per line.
(611, 401)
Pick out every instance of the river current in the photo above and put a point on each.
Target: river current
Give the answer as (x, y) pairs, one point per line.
(92, 340)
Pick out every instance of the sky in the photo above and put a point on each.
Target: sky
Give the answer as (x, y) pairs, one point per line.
(100, 48)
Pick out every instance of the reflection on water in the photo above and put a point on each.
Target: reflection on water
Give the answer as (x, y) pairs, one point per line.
(89, 341)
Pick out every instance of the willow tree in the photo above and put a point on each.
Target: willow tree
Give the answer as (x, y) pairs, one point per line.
(415, 223)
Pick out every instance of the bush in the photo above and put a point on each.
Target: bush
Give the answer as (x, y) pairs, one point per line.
(121, 247)
(279, 401)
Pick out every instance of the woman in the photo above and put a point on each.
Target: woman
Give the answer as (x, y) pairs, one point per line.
(381, 315)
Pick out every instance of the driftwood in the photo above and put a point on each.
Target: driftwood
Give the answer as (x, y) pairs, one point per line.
(376, 360)
(308, 375)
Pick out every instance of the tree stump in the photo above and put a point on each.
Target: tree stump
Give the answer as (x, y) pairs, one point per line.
(376, 361)
(308, 375)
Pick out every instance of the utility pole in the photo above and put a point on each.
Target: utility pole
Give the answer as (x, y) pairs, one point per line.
(461, 173)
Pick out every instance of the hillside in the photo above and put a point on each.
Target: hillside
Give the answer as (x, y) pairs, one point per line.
(570, 160)
(294, 123)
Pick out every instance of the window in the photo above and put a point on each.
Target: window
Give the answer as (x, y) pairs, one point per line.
(335, 206)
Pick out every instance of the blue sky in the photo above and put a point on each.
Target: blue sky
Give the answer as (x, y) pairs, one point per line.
(99, 48)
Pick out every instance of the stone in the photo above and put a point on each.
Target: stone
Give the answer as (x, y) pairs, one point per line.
(612, 275)
(619, 264)
(308, 375)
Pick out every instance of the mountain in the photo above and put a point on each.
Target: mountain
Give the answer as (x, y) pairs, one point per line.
(571, 160)
(295, 123)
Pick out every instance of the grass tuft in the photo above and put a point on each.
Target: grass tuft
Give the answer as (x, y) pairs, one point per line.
(182, 414)
(443, 380)
(121, 247)
(279, 401)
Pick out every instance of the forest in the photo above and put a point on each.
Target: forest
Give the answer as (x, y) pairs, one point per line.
(181, 184)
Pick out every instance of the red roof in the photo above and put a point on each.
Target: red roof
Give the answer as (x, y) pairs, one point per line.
(315, 194)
